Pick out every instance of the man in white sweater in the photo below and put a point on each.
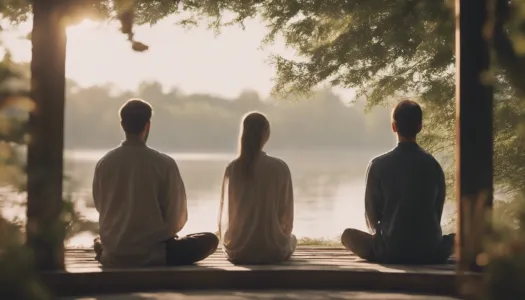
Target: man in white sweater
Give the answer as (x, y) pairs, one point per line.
(141, 199)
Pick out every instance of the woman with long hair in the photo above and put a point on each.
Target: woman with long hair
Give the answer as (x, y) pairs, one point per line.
(256, 211)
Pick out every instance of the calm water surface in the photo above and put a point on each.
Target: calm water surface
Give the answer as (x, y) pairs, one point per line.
(328, 188)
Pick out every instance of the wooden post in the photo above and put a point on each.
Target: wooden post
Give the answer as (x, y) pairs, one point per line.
(474, 129)
(46, 128)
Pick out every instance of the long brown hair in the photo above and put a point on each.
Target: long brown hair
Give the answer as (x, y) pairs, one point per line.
(254, 132)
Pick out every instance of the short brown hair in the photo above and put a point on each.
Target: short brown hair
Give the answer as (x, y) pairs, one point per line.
(134, 115)
(408, 117)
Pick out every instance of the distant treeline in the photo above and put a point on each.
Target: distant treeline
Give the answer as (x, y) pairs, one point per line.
(201, 122)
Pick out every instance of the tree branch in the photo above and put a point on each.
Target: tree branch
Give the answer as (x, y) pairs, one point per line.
(512, 63)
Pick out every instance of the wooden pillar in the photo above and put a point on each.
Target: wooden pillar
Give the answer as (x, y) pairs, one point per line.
(474, 130)
(46, 128)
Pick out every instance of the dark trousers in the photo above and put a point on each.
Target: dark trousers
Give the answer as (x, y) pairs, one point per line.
(184, 250)
(371, 247)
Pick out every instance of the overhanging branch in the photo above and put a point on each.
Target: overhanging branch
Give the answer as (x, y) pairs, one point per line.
(512, 63)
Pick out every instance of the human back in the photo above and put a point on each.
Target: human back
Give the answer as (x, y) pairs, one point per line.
(139, 194)
(257, 201)
(413, 199)
(132, 226)
(404, 199)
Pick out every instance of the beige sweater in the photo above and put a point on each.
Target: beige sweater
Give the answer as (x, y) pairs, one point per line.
(141, 199)
(256, 216)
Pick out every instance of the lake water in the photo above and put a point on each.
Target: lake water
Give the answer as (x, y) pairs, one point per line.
(328, 188)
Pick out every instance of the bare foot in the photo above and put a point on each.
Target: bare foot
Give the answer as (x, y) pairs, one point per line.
(97, 246)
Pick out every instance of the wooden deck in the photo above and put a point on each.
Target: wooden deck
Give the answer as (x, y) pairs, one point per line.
(310, 268)
(264, 295)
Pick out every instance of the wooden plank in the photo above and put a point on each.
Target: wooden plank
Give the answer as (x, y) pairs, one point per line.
(302, 259)
(46, 129)
(272, 294)
(202, 278)
(309, 268)
(474, 128)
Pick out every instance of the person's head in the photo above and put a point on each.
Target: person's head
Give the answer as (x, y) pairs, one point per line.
(255, 132)
(407, 120)
(135, 117)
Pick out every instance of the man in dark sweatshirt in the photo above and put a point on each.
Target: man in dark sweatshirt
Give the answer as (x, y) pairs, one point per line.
(404, 199)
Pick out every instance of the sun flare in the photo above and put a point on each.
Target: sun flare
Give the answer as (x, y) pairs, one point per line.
(84, 25)
(192, 60)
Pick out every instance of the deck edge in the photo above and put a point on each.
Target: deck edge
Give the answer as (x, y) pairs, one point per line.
(71, 284)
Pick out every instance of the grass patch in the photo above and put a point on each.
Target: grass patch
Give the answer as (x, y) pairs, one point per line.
(321, 242)
(306, 241)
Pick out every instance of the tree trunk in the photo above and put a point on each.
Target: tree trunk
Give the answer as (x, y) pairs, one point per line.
(474, 135)
(46, 128)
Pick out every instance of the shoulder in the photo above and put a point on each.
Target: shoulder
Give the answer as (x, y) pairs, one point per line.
(429, 157)
(278, 163)
(431, 162)
(159, 159)
(381, 159)
(229, 169)
(163, 159)
(380, 162)
(108, 157)
(230, 165)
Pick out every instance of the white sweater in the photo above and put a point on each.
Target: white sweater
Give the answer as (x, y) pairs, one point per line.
(141, 199)
(256, 216)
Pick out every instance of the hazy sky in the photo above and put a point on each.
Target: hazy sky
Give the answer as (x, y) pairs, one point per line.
(194, 60)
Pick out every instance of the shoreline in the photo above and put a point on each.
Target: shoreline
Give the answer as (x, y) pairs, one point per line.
(301, 241)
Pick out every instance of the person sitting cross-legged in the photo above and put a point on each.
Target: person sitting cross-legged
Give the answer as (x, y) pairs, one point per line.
(404, 200)
(141, 199)
(257, 205)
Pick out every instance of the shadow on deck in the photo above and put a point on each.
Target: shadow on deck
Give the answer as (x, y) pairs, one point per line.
(318, 268)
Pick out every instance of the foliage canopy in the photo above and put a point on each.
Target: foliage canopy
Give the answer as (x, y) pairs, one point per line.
(385, 49)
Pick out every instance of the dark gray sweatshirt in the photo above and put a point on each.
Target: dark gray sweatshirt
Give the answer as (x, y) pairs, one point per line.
(404, 199)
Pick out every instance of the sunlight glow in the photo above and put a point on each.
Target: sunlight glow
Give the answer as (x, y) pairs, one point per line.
(194, 61)
(98, 53)
(83, 26)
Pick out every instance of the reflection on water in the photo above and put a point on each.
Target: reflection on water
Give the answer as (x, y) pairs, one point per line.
(328, 187)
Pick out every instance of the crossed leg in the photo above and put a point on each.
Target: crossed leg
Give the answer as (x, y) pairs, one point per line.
(360, 243)
(190, 249)
(185, 250)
